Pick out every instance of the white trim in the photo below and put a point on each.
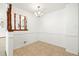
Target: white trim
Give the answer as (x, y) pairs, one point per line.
(73, 52)
(27, 43)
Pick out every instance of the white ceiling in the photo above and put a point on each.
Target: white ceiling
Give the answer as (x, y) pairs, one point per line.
(46, 7)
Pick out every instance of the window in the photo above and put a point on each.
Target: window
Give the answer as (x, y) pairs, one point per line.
(15, 22)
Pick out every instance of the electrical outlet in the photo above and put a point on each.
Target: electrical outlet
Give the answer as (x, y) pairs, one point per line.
(25, 42)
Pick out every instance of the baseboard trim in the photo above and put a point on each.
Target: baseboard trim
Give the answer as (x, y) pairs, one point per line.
(73, 52)
(28, 42)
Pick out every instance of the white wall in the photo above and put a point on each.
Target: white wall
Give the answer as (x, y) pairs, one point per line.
(2, 46)
(29, 37)
(3, 16)
(3, 9)
(61, 28)
(78, 30)
(52, 28)
(71, 13)
(52, 22)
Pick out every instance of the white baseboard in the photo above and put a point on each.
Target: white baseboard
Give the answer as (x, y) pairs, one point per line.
(28, 42)
(73, 52)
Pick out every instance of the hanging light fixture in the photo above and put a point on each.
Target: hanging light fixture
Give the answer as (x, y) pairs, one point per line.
(38, 12)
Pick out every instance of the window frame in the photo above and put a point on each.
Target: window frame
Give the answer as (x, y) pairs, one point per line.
(9, 21)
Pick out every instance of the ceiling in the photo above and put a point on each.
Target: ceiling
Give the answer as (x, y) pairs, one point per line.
(45, 7)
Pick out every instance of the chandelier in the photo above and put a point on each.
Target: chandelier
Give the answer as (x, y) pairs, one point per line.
(38, 12)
